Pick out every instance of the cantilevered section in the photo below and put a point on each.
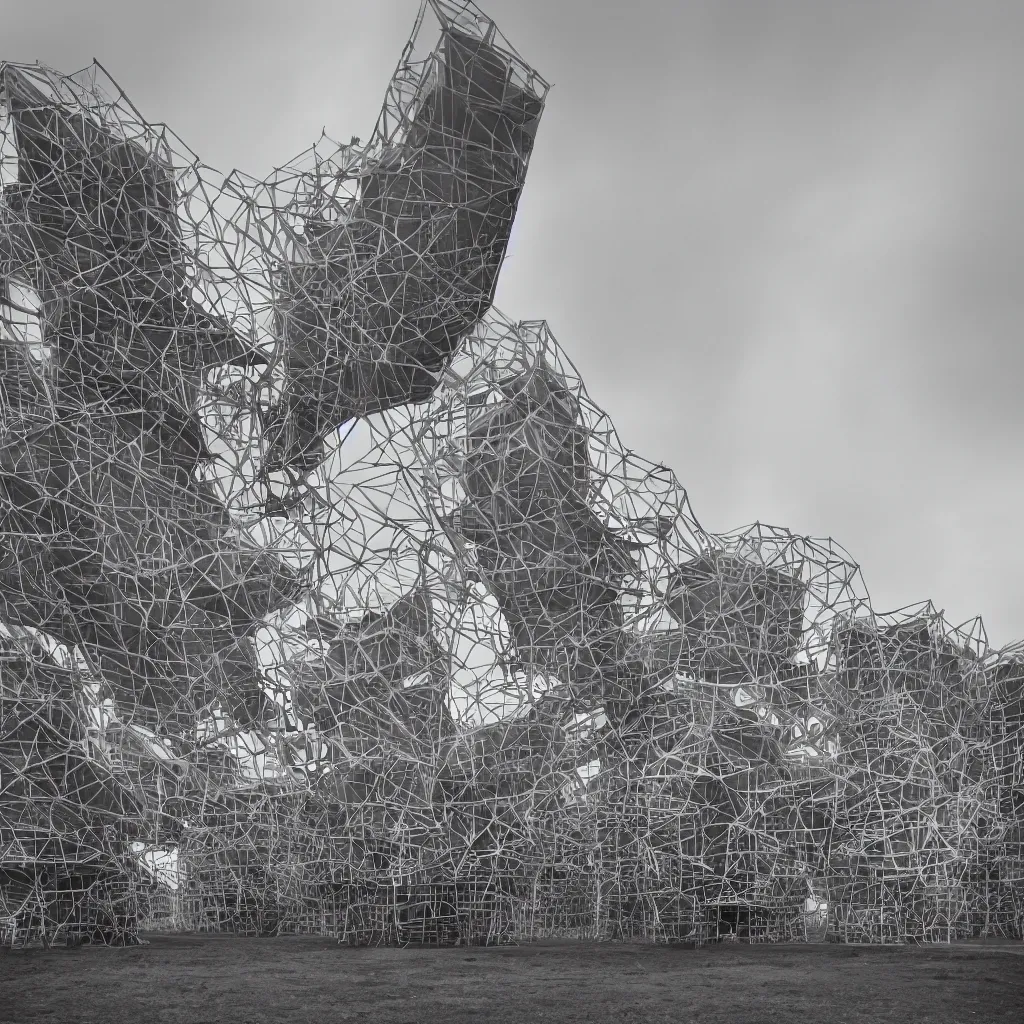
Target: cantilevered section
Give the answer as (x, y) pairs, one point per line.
(384, 288)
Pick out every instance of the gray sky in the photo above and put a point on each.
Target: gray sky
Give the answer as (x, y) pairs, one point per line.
(781, 239)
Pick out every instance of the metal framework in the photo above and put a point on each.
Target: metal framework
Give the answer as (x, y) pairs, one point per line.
(330, 603)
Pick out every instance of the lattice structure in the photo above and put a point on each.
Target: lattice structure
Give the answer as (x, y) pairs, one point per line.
(330, 603)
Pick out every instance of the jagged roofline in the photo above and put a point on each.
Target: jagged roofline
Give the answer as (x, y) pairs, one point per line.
(443, 10)
(779, 541)
(971, 630)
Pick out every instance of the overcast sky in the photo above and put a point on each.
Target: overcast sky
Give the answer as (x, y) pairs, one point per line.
(781, 239)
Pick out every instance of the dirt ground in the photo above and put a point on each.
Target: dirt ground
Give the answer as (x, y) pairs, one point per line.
(194, 979)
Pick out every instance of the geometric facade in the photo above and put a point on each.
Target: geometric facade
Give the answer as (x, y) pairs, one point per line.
(331, 604)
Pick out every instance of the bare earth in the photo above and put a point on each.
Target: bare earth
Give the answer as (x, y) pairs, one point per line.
(195, 979)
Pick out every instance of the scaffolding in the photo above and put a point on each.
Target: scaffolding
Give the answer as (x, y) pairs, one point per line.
(331, 604)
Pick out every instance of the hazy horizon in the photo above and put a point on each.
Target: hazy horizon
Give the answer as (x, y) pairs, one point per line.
(777, 238)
